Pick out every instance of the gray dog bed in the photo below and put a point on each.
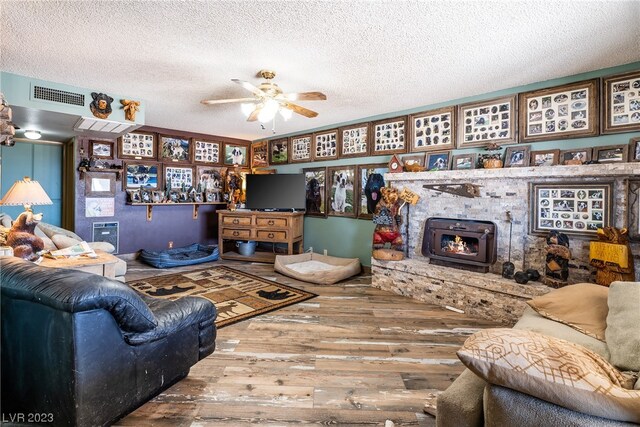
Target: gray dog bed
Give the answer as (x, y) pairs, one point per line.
(316, 268)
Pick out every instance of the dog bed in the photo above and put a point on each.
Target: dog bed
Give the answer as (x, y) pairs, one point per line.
(177, 257)
(316, 268)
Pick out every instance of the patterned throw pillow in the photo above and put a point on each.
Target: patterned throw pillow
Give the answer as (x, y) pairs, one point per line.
(551, 369)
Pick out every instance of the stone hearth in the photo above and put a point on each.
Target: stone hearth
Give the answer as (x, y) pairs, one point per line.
(489, 295)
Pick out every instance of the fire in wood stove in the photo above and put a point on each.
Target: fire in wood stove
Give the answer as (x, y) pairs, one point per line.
(459, 245)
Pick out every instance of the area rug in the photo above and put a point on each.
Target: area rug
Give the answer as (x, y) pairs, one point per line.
(238, 296)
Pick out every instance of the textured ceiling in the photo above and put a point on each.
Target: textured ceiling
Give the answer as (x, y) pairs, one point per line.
(368, 57)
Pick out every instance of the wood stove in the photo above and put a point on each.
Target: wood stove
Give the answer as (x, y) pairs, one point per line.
(465, 244)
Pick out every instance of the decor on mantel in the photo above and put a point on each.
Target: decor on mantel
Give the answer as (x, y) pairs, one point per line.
(557, 260)
(493, 158)
(395, 164)
(464, 190)
(612, 257)
(387, 220)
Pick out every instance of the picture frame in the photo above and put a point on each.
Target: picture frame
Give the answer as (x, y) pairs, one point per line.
(99, 184)
(433, 130)
(176, 175)
(133, 196)
(341, 191)
(96, 207)
(325, 145)
(575, 156)
(236, 155)
(210, 178)
(634, 149)
(362, 175)
(621, 103)
(416, 158)
(438, 161)
(206, 152)
(466, 161)
(560, 112)
(142, 175)
(138, 145)
(578, 209)
(101, 149)
(315, 180)
(611, 153)
(354, 140)
(544, 158)
(260, 154)
(488, 121)
(389, 136)
(517, 156)
(279, 151)
(634, 209)
(300, 147)
(175, 149)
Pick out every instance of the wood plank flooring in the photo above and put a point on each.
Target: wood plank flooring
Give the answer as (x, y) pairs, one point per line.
(353, 356)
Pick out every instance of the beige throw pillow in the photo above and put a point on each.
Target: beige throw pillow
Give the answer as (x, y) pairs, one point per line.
(582, 306)
(623, 325)
(553, 370)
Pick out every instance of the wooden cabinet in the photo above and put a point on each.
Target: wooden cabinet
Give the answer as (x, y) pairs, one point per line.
(270, 227)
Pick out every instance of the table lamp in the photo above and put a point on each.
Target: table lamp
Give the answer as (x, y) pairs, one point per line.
(21, 237)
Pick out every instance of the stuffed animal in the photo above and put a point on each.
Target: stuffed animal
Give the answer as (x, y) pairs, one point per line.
(375, 182)
(614, 266)
(101, 105)
(22, 239)
(387, 221)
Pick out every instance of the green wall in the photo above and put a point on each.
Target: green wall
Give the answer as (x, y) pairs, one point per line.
(352, 237)
(40, 162)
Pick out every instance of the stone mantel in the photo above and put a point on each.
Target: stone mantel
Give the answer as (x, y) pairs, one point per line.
(569, 171)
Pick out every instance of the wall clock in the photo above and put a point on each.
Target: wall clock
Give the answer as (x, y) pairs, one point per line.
(395, 165)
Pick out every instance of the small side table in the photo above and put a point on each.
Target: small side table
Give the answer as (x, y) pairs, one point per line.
(103, 265)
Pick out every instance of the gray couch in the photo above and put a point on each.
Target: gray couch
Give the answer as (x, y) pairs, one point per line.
(55, 238)
(470, 401)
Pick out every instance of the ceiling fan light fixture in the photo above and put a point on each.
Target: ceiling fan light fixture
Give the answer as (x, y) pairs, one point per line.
(247, 108)
(269, 111)
(286, 113)
(32, 134)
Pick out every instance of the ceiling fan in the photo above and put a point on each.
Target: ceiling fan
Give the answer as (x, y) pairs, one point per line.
(268, 99)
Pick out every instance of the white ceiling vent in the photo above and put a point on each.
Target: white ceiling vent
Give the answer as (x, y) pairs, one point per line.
(56, 95)
(103, 128)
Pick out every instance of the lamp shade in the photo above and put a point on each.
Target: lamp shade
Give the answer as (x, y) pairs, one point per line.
(26, 193)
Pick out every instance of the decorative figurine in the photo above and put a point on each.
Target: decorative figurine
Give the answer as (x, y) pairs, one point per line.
(130, 108)
(387, 220)
(101, 105)
(557, 261)
(612, 257)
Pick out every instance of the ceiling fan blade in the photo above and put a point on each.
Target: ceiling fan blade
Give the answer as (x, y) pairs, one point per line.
(300, 110)
(305, 96)
(226, 101)
(248, 86)
(254, 114)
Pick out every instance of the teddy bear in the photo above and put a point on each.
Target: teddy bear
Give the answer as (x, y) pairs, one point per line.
(608, 271)
(25, 244)
(387, 221)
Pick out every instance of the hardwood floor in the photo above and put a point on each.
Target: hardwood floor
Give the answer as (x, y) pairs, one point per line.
(353, 356)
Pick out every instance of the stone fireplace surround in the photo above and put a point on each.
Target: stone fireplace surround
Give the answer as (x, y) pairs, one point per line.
(489, 295)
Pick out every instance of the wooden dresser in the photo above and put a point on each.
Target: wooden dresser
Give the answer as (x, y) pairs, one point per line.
(273, 227)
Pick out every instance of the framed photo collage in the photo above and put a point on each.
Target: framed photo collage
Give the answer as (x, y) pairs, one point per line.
(576, 110)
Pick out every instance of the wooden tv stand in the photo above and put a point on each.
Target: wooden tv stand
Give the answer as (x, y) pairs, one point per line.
(273, 227)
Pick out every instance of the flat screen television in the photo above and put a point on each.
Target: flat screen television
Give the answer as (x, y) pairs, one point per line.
(277, 192)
